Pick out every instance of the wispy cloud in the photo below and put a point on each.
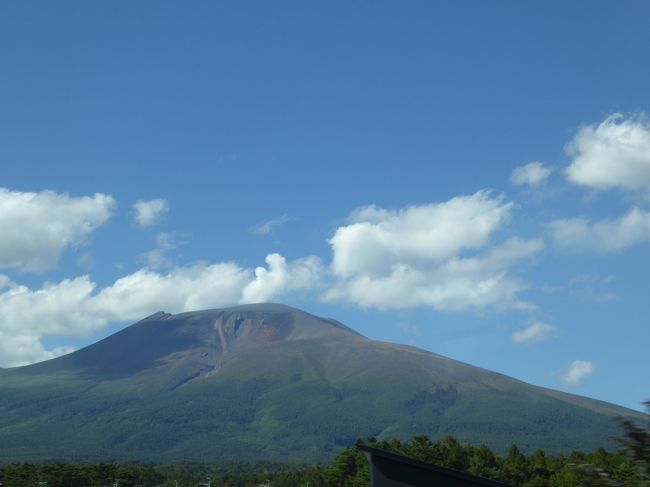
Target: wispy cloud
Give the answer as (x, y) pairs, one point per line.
(158, 258)
(536, 332)
(76, 307)
(604, 236)
(269, 226)
(532, 174)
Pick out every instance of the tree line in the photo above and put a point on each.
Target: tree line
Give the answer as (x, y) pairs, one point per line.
(629, 466)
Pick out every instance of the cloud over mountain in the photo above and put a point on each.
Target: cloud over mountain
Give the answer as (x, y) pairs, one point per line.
(437, 255)
(75, 307)
(282, 276)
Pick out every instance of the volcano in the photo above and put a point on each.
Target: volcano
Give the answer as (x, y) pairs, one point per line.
(270, 382)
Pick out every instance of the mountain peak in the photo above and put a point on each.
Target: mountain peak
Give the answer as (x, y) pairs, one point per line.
(156, 316)
(197, 342)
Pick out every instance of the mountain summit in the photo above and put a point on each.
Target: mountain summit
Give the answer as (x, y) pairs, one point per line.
(173, 350)
(267, 381)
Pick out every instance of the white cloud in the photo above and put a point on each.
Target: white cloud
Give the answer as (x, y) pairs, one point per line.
(536, 332)
(614, 154)
(604, 235)
(148, 212)
(413, 257)
(54, 309)
(282, 276)
(577, 372)
(181, 289)
(36, 227)
(75, 307)
(16, 350)
(268, 227)
(532, 174)
(453, 285)
(378, 239)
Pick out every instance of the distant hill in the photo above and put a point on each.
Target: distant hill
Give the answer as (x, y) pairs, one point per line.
(268, 381)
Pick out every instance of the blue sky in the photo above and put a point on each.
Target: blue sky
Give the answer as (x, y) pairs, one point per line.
(469, 177)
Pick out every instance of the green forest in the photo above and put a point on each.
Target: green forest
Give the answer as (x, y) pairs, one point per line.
(628, 466)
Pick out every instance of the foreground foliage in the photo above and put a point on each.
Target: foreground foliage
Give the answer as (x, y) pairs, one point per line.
(348, 469)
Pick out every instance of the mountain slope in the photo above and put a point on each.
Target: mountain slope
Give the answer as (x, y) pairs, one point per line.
(271, 382)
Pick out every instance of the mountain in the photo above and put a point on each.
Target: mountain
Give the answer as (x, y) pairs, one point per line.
(270, 382)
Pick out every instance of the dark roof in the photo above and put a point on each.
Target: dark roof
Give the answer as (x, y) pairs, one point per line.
(427, 469)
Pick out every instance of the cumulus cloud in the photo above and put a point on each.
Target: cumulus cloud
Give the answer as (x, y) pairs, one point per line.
(415, 256)
(532, 174)
(536, 332)
(577, 372)
(452, 285)
(282, 276)
(379, 239)
(604, 235)
(268, 227)
(76, 307)
(37, 227)
(148, 212)
(613, 154)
